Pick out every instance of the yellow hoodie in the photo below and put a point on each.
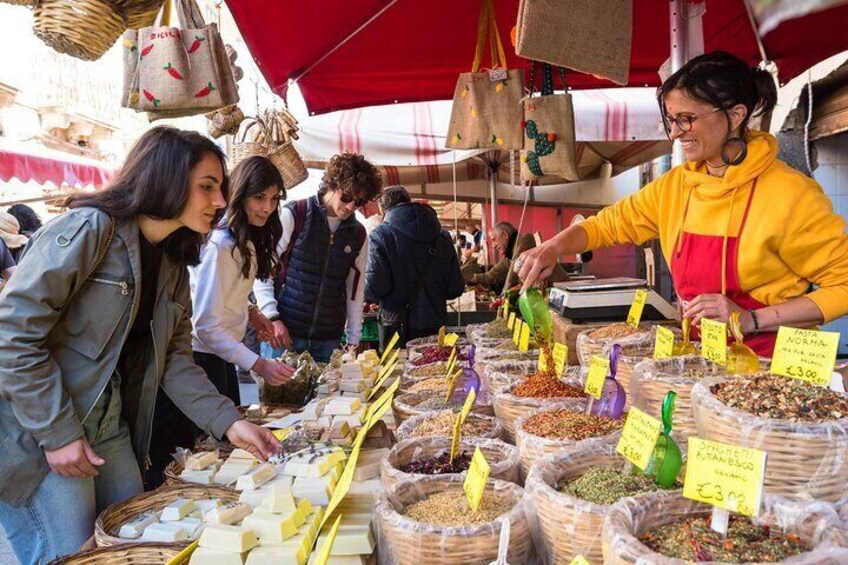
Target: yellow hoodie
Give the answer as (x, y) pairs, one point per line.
(792, 237)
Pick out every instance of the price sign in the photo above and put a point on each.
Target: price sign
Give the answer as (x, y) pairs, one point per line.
(442, 336)
(323, 555)
(183, 557)
(282, 433)
(510, 324)
(500, 312)
(664, 344)
(451, 362)
(506, 308)
(451, 339)
(389, 348)
(579, 560)
(516, 332)
(598, 369)
(346, 478)
(639, 437)
(560, 357)
(724, 475)
(460, 419)
(635, 314)
(714, 341)
(807, 355)
(452, 380)
(475, 480)
(543, 359)
(524, 337)
(384, 399)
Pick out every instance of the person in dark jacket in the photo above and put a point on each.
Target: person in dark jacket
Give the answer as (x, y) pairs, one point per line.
(412, 269)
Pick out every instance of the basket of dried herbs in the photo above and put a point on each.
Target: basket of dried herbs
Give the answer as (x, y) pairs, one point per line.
(415, 458)
(663, 528)
(410, 404)
(440, 424)
(804, 429)
(429, 521)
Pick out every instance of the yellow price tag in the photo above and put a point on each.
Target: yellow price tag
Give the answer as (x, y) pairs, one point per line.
(516, 332)
(506, 308)
(598, 369)
(724, 475)
(441, 336)
(460, 420)
(524, 337)
(451, 362)
(579, 560)
(560, 357)
(714, 341)
(664, 343)
(634, 316)
(346, 478)
(451, 339)
(383, 376)
(639, 437)
(384, 399)
(452, 380)
(183, 556)
(475, 480)
(807, 355)
(282, 433)
(510, 324)
(389, 348)
(323, 555)
(543, 360)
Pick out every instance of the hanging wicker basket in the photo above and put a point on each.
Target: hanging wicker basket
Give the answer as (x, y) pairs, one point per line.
(244, 148)
(84, 29)
(124, 554)
(142, 13)
(27, 3)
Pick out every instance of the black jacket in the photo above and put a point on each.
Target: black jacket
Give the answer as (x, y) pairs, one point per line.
(397, 257)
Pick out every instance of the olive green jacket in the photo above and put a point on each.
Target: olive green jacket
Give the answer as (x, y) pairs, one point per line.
(495, 277)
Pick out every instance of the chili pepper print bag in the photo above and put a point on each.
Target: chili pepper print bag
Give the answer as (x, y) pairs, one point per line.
(549, 139)
(487, 110)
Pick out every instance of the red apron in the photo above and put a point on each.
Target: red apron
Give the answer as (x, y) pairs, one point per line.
(696, 269)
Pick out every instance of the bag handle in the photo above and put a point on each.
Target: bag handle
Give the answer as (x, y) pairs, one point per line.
(488, 26)
(189, 15)
(547, 78)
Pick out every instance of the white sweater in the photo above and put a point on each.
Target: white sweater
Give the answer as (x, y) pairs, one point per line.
(219, 299)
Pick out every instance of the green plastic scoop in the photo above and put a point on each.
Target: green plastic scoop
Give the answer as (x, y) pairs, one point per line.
(666, 460)
(534, 310)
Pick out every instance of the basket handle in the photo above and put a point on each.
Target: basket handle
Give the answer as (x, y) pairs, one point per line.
(250, 123)
(189, 15)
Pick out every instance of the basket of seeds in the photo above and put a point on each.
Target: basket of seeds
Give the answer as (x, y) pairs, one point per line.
(804, 429)
(663, 528)
(440, 424)
(505, 349)
(533, 391)
(653, 378)
(410, 404)
(488, 334)
(558, 426)
(415, 458)
(496, 374)
(430, 521)
(569, 493)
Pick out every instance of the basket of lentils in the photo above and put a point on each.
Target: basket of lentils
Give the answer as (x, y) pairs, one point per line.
(663, 528)
(804, 429)
(440, 424)
(568, 495)
(429, 521)
(415, 458)
(411, 404)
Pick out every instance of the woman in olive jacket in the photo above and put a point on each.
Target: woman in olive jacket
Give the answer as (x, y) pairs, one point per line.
(95, 320)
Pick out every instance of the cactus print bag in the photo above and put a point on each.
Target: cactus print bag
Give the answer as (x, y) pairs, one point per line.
(487, 109)
(549, 142)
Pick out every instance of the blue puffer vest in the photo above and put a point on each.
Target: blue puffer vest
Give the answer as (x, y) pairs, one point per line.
(312, 302)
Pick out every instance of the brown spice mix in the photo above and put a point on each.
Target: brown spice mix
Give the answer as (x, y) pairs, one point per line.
(451, 508)
(543, 385)
(782, 398)
(567, 424)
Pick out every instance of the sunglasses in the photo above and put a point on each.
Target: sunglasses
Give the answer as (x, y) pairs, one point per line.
(347, 199)
(684, 122)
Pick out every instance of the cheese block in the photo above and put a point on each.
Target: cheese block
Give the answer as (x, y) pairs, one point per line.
(353, 385)
(191, 526)
(318, 491)
(204, 477)
(339, 429)
(236, 539)
(254, 411)
(293, 547)
(307, 465)
(201, 460)
(342, 405)
(206, 505)
(134, 528)
(256, 477)
(239, 453)
(341, 559)
(164, 533)
(305, 506)
(368, 464)
(353, 420)
(207, 556)
(328, 388)
(228, 513)
(279, 501)
(253, 497)
(311, 412)
(352, 370)
(351, 540)
(272, 555)
(274, 527)
(177, 510)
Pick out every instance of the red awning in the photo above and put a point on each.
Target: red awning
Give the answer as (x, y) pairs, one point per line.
(41, 164)
(351, 54)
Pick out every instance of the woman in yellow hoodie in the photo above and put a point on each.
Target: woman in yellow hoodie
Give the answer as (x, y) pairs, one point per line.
(741, 230)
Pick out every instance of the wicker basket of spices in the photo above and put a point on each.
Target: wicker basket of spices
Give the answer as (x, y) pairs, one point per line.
(124, 554)
(440, 424)
(803, 428)
(430, 454)
(410, 404)
(429, 521)
(497, 374)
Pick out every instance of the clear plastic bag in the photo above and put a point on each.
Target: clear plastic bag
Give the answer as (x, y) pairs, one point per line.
(407, 405)
(493, 429)
(816, 523)
(404, 541)
(501, 457)
(599, 341)
(496, 374)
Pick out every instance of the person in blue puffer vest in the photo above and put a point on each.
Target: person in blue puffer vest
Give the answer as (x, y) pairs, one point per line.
(412, 269)
(319, 290)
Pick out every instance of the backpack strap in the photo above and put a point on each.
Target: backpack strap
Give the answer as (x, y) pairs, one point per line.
(361, 235)
(299, 220)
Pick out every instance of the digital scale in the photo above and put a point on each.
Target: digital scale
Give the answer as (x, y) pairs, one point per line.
(606, 299)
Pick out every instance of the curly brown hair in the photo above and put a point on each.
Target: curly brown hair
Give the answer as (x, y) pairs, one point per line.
(352, 174)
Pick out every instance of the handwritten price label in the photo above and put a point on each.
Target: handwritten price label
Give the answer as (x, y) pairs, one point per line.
(451, 339)
(442, 336)
(634, 316)
(452, 381)
(389, 348)
(524, 337)
(639, 437)
(451, 362)
(475, 480)
(506, 308)
(323, 555)
(460, 419)
(579, 560)
(598, 369)
(664, 344)
(714, 341)
(510, 324)
(724, 475)
(516, 332)
(807, 355)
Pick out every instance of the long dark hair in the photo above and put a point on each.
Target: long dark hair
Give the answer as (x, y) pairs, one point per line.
(154, 181)
(254, 176)
(722, 80)
(27, 218)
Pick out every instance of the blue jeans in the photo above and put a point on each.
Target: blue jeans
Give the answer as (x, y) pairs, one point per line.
(320, 349)
(59, 518)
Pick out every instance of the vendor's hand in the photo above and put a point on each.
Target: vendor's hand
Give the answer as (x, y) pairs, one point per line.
(76, 459)
(260, 442)
(281, 336)
(261, 324)
(716, 307)
(536, 264)
(353, 348)
(274, 372)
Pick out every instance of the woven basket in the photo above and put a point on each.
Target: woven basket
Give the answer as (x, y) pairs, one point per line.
(589, 345)
(631, 518)
(497, 374)
(804, 459)
(124, 554)
(27, 3)
(405, 406)
(406, 429)
(502, 458)
(404, 541)
(109, 521)
(84, 29)
(242, 148)
(142, 13)
(287, 160)
(509, 408)
(652, 379)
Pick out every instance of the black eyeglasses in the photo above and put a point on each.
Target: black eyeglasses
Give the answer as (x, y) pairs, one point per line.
(347, 199)
(684, 121)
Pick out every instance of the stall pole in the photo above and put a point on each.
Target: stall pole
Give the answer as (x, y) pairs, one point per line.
(679, 52)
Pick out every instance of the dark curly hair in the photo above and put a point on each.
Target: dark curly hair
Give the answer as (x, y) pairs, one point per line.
(27, 218)
(353, 174)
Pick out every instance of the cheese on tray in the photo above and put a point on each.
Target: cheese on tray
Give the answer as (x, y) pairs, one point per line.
(236, 539)
(273, 555)
(279, 501)
(207, 556)
(165, 533)
(228, 513)
(256, 477)
(134, 528)
(273, 527)
(201, 460)
(177, 510)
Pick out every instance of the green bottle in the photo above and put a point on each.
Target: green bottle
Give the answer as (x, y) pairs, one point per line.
(534, 310)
